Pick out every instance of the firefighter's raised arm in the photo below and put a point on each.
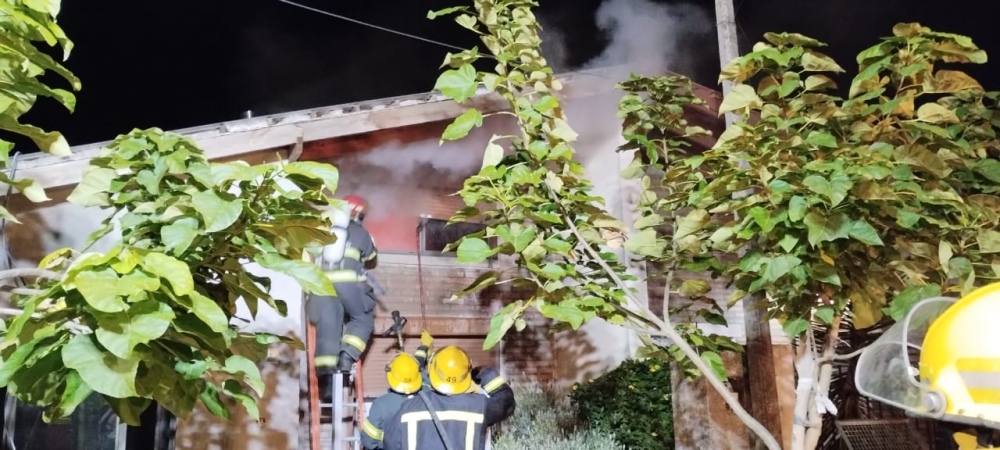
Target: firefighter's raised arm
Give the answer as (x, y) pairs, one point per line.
(500, 404)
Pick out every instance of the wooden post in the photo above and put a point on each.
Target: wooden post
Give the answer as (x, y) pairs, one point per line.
(762, 384)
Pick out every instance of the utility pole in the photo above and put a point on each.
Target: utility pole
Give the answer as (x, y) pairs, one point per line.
(762, 386)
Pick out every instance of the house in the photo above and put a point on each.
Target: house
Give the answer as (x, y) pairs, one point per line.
(388, 152)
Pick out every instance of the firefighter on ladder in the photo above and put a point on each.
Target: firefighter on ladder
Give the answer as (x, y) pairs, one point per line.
(406, 375)
(450, 416)
(345, 263)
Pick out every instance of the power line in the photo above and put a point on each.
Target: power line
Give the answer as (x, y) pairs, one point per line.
(380, 28)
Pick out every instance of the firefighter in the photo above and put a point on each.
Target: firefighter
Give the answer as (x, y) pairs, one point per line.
(345, 263)
(450, 416)
(401, 372)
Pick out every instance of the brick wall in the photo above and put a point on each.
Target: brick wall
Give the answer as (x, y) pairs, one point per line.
(529, 354)
(524, 355)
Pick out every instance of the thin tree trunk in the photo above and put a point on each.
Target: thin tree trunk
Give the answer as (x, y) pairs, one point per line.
(823, 386)
(805, 368)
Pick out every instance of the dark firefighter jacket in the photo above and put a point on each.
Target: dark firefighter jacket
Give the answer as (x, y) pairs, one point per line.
(465, 417)
(360, 253)
(384, 407)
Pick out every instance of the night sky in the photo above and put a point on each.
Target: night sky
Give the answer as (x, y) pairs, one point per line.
(185, 63)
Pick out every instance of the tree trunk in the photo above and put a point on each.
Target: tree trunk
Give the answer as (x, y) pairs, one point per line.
(823, 386)
(761, 375)
(805, 368)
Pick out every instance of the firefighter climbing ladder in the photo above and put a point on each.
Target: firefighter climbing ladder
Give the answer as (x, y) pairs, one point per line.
(346, 412)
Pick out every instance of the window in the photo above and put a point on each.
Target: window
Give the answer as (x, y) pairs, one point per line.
(92, 426)
(437, 234)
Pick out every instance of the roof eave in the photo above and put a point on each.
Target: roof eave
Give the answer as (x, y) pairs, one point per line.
(234, 138)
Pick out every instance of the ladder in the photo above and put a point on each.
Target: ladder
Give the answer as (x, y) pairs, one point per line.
(346, 412)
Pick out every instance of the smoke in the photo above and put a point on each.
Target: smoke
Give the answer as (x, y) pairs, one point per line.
(650, 38)
(406, 178)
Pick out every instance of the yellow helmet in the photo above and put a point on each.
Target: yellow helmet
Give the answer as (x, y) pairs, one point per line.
(450, 371)
(960, 358)
(403, 374)
(957, 375)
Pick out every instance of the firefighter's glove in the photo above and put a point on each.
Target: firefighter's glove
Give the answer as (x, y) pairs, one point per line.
(477, 373)
(426, 339)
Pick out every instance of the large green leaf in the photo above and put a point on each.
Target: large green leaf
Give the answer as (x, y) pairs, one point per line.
(136, 282)
(213, 403)
(75, 393)
(834, 188)
(794, 327)
(97, 288)
(989, 241)
(129, 410)
(171, 269)
(564, 312)
(103, 372)
(481, 282)
(120, 332)
(501, 323)
(320, 171)
(93, 188)
(714, 361)
(179, 235)
(522, 240)
(239, 365)
(309, 276)
(740, 97)
(910, 296)
(825, 228)
(645, 243)
(935, 113)
(217, 213)
(458, 84)
(473, 250)
(462, 125)
(864, 232)
(209, 312)
(695, 220)
(493, 153)
(779, 266)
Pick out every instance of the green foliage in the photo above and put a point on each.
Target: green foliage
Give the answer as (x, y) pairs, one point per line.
(634, 401)
(151, 319)
(544, 419)
(22, 23)
(841, 202)
(708, 346)
(535, 198)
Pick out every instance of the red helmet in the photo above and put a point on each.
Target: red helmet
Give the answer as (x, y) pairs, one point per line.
(357, 206)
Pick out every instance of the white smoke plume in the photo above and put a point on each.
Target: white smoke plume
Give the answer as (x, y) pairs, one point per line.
(647, 37)
(405, 179)
(398, 178)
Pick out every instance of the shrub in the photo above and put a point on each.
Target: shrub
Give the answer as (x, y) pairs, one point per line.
(545, 419)
(634, 401)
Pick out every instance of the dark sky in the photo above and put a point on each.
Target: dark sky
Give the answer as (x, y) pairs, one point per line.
(185, 63)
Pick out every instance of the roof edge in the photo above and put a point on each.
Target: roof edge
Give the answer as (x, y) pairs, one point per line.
(284, 130)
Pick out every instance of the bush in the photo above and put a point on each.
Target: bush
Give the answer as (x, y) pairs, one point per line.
(545, 419)
(634, 401)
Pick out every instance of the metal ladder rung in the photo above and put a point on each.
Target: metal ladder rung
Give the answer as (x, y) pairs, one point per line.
(331, 405)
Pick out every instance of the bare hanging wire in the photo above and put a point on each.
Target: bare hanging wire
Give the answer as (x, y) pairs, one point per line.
(377, 27)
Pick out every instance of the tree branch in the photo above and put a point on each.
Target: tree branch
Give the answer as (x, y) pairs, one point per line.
(845, 357)
(29, 272)
(75, 327)
(667, 330)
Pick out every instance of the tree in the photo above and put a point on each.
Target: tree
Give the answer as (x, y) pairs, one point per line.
(153, 318)
(859, 205)
(537, 201)
(864, 204)
(21, 64)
